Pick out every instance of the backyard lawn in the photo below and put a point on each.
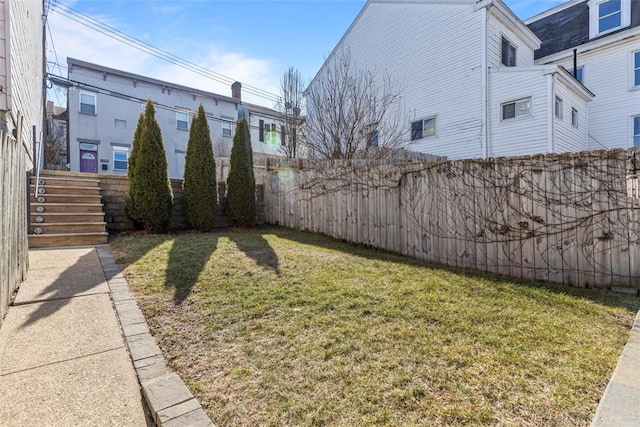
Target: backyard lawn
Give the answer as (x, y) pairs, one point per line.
(278, 327)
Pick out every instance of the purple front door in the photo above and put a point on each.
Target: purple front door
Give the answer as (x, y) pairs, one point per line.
(88, 161)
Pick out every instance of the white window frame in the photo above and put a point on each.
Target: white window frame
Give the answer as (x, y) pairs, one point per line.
(635, 68)
(635, 133)
(581, 71)
(558, 107)
(422, 132)
(120, 150)
(575, 117)
(516, 115)
(95, 102)
(594, 17)
(515, 51)
(227, 125)
(179, 115)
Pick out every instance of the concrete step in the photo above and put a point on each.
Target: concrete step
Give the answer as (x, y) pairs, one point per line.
(65, 217)
(65, 189)
(75, 239)
(66, 181)
(68, 227)
(66, 207)
(67, 198)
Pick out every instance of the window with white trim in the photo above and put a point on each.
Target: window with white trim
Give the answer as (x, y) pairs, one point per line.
(636, 131)
(508, 53)
(423, 128)
(558, 106)
(579, 76)
(120, 158)
(606, 16)
(636, 68)
(87, 103)
(227, 128)
(182, 120)
(517, 108)
(574, 117)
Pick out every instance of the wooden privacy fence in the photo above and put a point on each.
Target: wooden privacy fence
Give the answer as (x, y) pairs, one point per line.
(561, 218)
(14, 247)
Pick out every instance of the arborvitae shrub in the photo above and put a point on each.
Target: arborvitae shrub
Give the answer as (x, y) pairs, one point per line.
(241, 184)
(150, 196)
(200, 184)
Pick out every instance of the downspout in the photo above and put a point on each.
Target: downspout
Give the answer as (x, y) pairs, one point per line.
(550, 112)
(485, 82)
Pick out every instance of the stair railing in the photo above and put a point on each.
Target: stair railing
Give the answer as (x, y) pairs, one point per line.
(38, 159)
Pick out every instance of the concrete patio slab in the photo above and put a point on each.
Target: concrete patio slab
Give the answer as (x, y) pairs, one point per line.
(34, 335)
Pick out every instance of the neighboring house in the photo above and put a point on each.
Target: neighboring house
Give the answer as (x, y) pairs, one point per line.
(21, 113)
(603, 38)
(104, 105)
(470, 87)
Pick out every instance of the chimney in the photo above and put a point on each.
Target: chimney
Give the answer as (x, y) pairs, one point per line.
(236, 91)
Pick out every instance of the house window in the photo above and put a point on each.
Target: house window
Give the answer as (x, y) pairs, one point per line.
(606, 16)
(120, 159)
(558, 107)
(87, 103)
(636, 68)
(423, 128)
(574, 117)
(579, 75)
(636, 131)
(182, 120)
(508, 53)
(372, 138)
(609, 15)
(518, 108)
(227, 128)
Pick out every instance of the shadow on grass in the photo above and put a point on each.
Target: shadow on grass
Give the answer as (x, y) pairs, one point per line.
(534, 290)
(256, 247)
(188, 256)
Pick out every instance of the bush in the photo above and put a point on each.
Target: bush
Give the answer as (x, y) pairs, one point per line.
(131, 204)
(200, 184)
(150, 198)
(241, 183)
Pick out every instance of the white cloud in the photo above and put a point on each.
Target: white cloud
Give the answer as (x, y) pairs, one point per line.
(72, 39)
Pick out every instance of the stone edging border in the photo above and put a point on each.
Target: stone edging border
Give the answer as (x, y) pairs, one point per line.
(170, 401)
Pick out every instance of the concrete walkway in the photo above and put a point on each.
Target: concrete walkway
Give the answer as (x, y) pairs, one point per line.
(620, 404)
(75, 350)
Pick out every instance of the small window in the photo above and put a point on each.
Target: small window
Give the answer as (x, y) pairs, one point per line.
(372, 138)
(120, 124)
(227, 128)
(609, 15)
(574, 117)
(636, 131)
(636, 68)
(182, 120)
(120, 159)
(558, 107)
(423, 128)
(271, 134)
(87, 103)
(519, 108)
(579, 76)
(508, 53)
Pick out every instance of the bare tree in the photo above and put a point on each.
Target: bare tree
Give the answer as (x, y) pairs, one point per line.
(353, 113)
(291, 107)
(222, 147)
(55, 144)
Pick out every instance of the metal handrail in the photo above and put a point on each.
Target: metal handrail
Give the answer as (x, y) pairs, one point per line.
(38, 159)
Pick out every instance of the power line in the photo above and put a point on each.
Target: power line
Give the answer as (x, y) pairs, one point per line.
(138, 44)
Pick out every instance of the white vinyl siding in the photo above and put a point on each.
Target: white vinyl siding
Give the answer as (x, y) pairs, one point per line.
(522, 135)
(568, 137)
(430, 66)
(608, 74)
(496, 32)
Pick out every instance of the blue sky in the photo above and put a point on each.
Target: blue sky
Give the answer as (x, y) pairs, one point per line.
(252, 41)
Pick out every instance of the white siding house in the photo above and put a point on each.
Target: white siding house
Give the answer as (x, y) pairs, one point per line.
(603, 39)
(104, 105)
(464, 66)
